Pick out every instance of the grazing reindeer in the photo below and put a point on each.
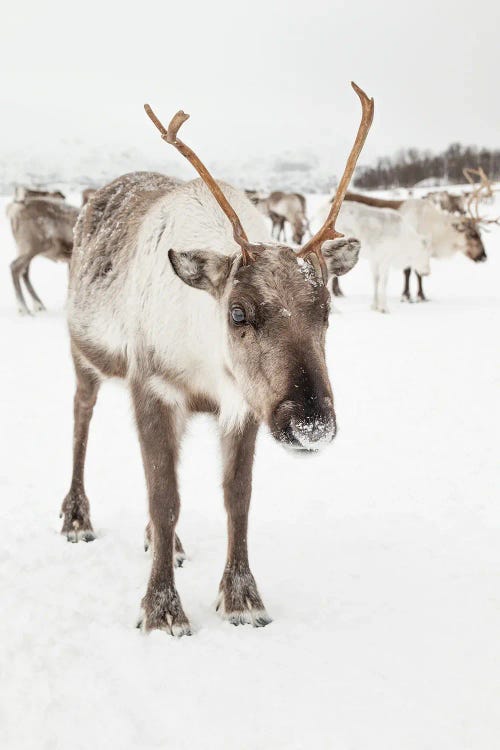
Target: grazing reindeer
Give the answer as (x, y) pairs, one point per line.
(291, 208)
(444, 233)
(160, 295)
(41, 225)
(282, 207)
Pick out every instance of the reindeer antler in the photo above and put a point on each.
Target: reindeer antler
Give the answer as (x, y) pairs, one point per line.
(480, 190)
(328, 231)
(170, 136)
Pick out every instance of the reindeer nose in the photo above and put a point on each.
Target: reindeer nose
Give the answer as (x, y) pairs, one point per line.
(309, 430)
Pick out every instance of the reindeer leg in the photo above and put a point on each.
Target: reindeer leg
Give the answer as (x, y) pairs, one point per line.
(336, 290)
(239, 600)
(17, 268)
(39, 306)
(179, 554)
(160, 426)
(421, 296)
(406, 296)
(376, 279)
(382, 290)
(75, 507)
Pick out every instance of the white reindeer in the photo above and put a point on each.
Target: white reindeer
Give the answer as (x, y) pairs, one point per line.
(444, 233)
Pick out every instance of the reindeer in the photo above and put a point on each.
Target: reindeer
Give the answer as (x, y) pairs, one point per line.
(42, 224)
(197, 320)
(281, 208)
(445, 233)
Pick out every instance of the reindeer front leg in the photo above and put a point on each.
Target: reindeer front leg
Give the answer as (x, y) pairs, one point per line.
(160, 428)
(239, 600)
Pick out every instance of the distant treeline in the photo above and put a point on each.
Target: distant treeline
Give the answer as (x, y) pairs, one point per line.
(410, 166)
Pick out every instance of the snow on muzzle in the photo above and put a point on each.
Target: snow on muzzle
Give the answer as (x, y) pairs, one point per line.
(308, 429)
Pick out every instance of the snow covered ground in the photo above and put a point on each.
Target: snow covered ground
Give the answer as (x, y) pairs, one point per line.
(379, 560)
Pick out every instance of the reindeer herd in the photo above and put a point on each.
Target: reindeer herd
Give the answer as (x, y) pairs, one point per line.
(183, 291)
(394, 234)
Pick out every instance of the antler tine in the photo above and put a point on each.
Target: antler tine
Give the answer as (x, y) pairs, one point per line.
(328, 230)
(480, 189)
(170, 136)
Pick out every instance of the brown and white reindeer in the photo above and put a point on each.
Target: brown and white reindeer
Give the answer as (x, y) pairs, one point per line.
(281, 208)
(42, 224)
(196, 317)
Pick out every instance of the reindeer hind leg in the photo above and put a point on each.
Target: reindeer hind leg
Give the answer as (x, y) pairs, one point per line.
(421, 296)
(406, 295)
(38, 306)
(17, 268)
(179, 554)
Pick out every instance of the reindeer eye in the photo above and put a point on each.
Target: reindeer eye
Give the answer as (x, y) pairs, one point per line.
(238, 315)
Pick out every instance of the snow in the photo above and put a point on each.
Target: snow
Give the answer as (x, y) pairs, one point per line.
(378, 559)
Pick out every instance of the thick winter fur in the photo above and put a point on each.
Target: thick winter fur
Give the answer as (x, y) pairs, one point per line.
(388, 241)
(42, 224)
(157, 295)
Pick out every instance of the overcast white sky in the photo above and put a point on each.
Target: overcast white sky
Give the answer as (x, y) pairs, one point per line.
(257, 77)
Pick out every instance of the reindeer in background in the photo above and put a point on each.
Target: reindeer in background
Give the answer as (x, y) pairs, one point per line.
(281, 208)
(444, 233)
(198, 318)
(42, 224)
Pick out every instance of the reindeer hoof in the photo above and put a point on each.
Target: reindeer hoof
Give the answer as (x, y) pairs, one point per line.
(39, 307)
(82, 535)
(406, 298)
(172, 628)
(76, 513)
(162, 610)
(179, 558)
(239, 601)
(250, 616)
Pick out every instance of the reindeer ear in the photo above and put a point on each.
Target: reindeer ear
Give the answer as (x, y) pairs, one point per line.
(202, 269)
(341, 255)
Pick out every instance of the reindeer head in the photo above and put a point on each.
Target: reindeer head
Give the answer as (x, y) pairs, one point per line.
(469, 239)
(469, 226)
(274, 306)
